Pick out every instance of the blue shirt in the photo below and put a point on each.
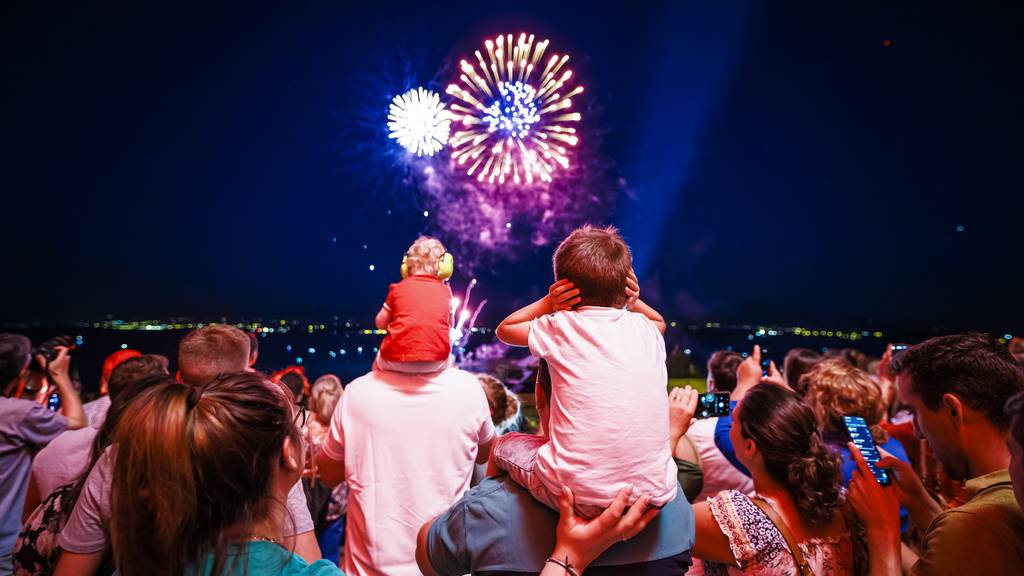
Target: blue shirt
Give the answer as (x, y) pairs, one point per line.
(498, 528)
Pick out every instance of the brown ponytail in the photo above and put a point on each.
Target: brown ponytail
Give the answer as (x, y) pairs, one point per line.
(191, 463)
(786, 434)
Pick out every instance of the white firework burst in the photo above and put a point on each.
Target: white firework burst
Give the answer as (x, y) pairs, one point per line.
(419, 121)
(513, 124)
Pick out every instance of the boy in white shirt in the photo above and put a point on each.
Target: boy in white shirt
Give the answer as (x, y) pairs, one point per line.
(606, 354)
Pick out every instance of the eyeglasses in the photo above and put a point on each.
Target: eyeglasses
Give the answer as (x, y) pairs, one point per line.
(301, 415)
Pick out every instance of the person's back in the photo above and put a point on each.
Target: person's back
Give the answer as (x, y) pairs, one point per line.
(417, 312)
(408, 443)
(798, 488)
(608, 378)
(606, 355)
(65, 458)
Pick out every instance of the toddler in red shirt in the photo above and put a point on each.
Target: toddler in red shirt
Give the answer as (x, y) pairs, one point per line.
(417, 312)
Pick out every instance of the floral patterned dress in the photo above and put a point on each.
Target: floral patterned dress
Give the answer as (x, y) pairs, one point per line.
(760, 549)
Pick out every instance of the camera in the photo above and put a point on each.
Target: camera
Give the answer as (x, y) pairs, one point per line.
(48, 351)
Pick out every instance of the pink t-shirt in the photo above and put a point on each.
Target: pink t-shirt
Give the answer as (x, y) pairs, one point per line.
(63, 460)
(88, 528)
(409, 442)
(609, 405)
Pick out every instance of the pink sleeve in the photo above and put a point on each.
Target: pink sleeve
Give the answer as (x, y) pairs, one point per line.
(539, 338)
(88, 528)
(334, 444)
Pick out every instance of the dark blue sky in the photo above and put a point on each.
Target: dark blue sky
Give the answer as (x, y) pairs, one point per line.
(781, 163)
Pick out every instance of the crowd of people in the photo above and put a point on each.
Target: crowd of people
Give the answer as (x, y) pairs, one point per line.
(206, 465)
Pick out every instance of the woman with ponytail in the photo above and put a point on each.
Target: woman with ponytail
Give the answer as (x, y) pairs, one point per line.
(202, 477)
(798, 497)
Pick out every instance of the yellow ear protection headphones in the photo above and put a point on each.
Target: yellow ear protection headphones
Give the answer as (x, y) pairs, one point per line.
(445, 266)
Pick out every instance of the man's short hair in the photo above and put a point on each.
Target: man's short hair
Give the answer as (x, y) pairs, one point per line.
(133, 370)
(208, 352)
(597, 261)
(1015, 410)
(974, 367)
(723, 366)
(15, 351)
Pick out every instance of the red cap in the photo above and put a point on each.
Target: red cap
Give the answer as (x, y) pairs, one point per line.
(116, 359)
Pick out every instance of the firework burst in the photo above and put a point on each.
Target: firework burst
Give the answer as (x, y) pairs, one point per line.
(419, 121)
(512, 117)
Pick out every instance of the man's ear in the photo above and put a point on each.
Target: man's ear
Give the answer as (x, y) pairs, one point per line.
(952, 406)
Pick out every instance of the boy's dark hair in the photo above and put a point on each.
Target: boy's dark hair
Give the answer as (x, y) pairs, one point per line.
(133, 370)
(974, 367)
(597, 261)
(15, 351)
(722, 366)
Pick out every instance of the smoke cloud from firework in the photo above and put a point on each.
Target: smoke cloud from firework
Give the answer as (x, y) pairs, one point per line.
(483, 224)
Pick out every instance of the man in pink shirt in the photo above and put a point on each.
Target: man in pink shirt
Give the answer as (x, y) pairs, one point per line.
(406, 444)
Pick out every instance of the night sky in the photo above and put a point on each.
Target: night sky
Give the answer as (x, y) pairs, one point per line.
(778, 162)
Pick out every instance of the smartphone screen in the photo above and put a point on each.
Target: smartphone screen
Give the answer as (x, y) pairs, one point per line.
(766, 362)
(53, 402)
(861, 436)
(714, 404)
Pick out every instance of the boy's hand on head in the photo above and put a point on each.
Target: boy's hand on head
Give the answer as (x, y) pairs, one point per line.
(564, 295)
(632, 289)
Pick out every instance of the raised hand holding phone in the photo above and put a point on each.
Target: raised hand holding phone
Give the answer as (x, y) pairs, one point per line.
(879, 509)
(860, 435)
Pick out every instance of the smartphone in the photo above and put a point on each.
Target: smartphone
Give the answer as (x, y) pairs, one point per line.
(714, 404)
(766, 362)
(861, 436)
(53, 402)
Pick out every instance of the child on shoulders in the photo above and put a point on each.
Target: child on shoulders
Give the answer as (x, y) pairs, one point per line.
(606, 354)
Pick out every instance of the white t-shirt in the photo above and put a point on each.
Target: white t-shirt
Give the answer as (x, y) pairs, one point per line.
(718, 473)
(609, 405)
(409, 442)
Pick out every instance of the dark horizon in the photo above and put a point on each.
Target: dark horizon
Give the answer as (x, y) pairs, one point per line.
(817, 165)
